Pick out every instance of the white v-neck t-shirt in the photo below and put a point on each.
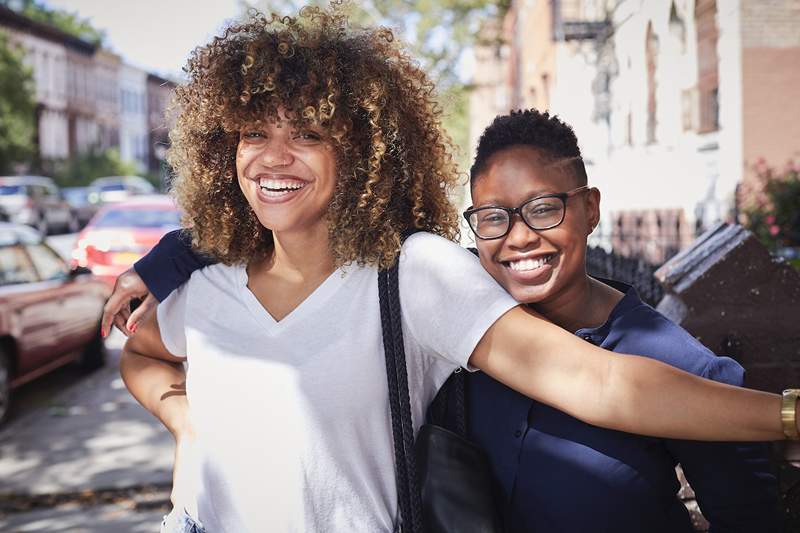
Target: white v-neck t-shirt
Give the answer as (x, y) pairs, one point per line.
(292, 416)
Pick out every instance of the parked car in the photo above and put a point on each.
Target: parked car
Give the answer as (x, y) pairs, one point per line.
(49, 313)
(119, 188)
(121, 233)
(37, 202)
(84, 201)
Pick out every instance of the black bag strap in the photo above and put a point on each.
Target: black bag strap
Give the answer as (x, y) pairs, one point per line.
(408, 491)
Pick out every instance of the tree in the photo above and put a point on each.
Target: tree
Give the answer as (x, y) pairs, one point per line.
(65, 21)
(82, 168)
(438, 33)
(17, 108)
(770, 205)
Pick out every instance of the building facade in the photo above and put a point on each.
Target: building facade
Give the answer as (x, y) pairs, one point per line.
(673, 102)
(106, 76)
(133, 132)
(159, 122)
(88, 98)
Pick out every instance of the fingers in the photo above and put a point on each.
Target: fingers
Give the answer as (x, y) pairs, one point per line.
(119, 322)
(117, 309)
(147, 304)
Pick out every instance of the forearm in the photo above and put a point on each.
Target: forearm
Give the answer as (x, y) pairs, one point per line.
(169, 264)
(622, 392)
(159, 386)
(652, 398)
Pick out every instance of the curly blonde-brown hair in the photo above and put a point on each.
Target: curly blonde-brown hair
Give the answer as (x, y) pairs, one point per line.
(394, 162)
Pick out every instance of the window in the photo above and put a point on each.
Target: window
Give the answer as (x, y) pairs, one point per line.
(47, 262)
(651, 53)
(707, 64)
(15, 266)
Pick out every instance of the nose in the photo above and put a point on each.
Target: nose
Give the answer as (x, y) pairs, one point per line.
(521, 237)
(276, 152)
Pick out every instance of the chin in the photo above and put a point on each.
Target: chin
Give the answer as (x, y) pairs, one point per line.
(527, 294)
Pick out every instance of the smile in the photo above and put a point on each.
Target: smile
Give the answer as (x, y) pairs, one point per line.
(277, 187)
(528, 264)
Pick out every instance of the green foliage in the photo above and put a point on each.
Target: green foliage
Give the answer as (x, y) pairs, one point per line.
(437, 33)
(83, 168)
(17, 108)
(67, 22)
(771, 206)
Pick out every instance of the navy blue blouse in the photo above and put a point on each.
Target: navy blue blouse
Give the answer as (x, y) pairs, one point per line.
(558, 474)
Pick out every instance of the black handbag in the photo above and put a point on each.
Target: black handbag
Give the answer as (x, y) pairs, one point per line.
(444, 482)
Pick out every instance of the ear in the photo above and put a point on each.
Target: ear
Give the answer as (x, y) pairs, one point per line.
(592, 209)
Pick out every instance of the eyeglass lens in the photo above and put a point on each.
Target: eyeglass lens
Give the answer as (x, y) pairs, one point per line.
(543, 213)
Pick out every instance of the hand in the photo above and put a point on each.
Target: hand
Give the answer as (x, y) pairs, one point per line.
(185, 479)
(117, 309)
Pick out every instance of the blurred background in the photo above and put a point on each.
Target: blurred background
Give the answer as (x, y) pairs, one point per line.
(687, 115)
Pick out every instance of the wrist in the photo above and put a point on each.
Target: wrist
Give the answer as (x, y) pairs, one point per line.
(789, 414)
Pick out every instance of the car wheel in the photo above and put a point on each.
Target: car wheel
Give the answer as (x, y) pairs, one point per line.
(94, 353)
(5, 387)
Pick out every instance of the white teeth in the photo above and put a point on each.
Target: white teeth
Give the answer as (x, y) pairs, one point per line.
(271, 184)
(529, 264)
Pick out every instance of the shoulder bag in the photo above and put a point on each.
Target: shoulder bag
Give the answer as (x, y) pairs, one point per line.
(444, 482)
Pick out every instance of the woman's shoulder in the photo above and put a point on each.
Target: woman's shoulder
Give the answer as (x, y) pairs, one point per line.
(424, 246)
(216, 277)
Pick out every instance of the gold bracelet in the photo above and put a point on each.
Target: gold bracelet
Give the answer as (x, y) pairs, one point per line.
(789, 414)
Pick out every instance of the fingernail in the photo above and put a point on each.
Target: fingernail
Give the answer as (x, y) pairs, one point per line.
(133, 327)
(103, 332)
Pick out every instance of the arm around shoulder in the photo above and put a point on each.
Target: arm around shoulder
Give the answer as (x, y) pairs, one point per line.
(169, 264)
(623, 392)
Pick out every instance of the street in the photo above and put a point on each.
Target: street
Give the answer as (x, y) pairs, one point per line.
(79, 454)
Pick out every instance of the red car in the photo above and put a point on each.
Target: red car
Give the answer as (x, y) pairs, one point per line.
(119, 234)
(49, 313)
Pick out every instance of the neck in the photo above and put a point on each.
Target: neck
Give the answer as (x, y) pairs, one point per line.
(301, 255)
(586, 303)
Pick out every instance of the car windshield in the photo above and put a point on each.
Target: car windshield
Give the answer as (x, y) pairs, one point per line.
(76, 196)
(113, 187)
(10, 190)
(139, 218)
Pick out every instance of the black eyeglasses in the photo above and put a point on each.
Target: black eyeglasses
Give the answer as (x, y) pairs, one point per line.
(543, 212)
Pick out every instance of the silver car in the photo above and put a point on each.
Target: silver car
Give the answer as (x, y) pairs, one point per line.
(118, 188)
(37, 202)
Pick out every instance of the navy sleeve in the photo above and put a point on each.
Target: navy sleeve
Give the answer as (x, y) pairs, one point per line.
(734, 483)
(169, 264)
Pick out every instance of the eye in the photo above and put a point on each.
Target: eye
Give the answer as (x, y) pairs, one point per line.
(492, 217)
(542, 209)
(307, 137)
(251, 135)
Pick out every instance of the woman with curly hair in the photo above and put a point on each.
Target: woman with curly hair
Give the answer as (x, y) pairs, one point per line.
(304, 150)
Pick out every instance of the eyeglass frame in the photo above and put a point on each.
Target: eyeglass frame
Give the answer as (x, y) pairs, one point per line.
(563, 196)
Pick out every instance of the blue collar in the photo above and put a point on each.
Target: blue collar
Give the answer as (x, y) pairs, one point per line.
(629, 301)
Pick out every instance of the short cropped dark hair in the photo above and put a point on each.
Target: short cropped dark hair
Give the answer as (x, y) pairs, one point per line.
(554, 139)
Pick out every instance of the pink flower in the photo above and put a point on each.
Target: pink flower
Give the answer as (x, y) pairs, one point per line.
(774, 230)
(770, 219)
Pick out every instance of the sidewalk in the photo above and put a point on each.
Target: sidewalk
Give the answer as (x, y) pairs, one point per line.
(92, 439)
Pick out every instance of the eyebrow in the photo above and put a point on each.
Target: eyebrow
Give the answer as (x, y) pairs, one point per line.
(493, 202)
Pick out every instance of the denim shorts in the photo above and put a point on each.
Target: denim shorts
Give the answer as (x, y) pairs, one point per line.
(179, 521)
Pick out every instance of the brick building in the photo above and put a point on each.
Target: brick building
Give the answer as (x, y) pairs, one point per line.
(672, 101)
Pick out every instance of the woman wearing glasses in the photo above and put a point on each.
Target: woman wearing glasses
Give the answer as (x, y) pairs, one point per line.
(532, 214)
(303, 150)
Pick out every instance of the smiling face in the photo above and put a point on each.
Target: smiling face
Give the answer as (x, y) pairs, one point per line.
(535, 267)
(287, 175)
